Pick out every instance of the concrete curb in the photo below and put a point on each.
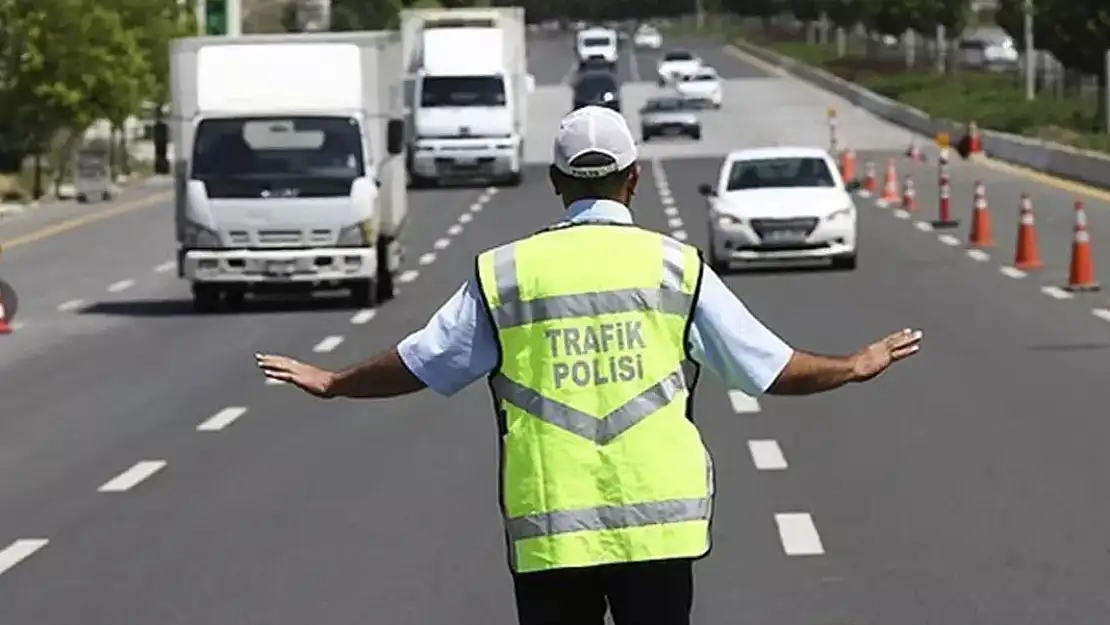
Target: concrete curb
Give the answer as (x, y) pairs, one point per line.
(1092, 168)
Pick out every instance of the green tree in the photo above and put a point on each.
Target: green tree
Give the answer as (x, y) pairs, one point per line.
(843, 13)
(1079, 35)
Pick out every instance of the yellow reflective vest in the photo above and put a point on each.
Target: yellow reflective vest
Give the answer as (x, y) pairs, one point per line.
(601, 462)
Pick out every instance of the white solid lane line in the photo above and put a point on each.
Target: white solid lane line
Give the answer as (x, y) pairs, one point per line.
(222, 419)
(166, 266)
(19, 551)
(363, 317)
(131, 477)
(71, 305)
(798, 534)
(122, 285)
(767, 455)
(328, 344)
(742, 402)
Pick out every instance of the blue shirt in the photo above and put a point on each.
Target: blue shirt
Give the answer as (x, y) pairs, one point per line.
(459, 344)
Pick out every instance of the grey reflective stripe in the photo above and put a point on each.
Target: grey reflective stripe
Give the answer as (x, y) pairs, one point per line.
(674, 264)
(601, 431)
(514, 312)
(504, 273)
(608, 518)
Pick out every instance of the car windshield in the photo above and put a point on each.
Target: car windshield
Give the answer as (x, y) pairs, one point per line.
(462, 91)
(593, 42)
(678, 55)
(308, 156)
(770, 173)
(668, 104)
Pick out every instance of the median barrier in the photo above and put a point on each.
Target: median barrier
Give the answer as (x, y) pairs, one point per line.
(1085, 166)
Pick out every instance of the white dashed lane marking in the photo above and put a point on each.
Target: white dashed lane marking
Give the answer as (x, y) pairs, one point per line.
(222, 419)
(670, 211)
(798, 534)
(923, 226)
(71, 305)
(767, 455)
(455, 230)
(742, 402)
(476, 207)
(949, 240)
(122, 285)
(166, 266)
(1011, 272)
(465, 218)
(1101, 313)
(132, 477)
(978, 255)
(674, 222)
(328, 344)
(408, 276)
(441, 244)
(363, 317)
(680, 235)
(427, 259)
(19, 551)
(1056, 292)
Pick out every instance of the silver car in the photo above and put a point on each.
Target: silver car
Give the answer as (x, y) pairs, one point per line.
(669, 115)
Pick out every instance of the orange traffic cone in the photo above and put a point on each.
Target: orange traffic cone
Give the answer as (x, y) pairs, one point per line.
(975, 140)
(909, 195)
(982, 235)
(870, 183)
(1027, 256)
(848, 165)
(1081, 276)
(890, 185)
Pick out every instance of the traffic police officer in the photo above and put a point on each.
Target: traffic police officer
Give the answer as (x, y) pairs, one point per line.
(592, 332)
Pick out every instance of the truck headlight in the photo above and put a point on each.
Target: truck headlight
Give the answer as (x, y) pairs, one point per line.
(842, 213)
(358, 235)
(197, 237)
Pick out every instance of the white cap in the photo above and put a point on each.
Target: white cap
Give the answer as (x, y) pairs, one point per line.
(594, 130)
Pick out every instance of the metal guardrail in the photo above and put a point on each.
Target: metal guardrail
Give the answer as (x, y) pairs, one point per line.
(1084, 166)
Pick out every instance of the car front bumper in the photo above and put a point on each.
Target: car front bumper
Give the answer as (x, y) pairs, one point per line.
(788, 239)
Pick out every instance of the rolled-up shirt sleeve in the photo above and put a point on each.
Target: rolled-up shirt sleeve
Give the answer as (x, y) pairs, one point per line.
(728, 339)
(456, 347)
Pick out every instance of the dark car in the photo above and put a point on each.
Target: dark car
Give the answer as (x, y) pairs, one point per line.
(597, 88)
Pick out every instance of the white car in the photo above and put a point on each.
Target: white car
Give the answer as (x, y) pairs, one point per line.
(596, 45)
(781, 204)
(676, 63)
(648, 38)
(703, 87)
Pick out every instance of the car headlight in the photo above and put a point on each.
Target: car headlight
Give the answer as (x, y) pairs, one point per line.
(842, 213)
(358, 235)
(728, 220)
(197, 237)
(608, 97)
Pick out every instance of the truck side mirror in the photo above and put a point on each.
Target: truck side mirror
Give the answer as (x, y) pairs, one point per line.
(706, 190)
(395, 137)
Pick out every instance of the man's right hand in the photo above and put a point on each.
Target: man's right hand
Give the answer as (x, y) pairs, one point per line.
(872, 360)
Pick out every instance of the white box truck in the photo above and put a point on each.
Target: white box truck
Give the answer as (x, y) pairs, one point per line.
(467, 89)
(289, 164)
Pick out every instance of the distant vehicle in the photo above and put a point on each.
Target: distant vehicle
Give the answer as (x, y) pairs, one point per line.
(781, 204)
(596, 44)
(93, 175)
(676, 63)
(987, 50)
(702, 87)
(647, 37)
(668, 115)
(598, 88)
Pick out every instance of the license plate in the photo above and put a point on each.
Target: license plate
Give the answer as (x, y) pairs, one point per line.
(785, 236)
(466, 162)
(279, 268)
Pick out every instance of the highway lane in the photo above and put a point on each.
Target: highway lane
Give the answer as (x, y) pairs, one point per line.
(962, 487)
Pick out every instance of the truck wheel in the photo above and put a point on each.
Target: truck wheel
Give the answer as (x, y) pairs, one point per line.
(384, 289)
(515, 180)
(233, 298)
(206, 298)
(362, 294)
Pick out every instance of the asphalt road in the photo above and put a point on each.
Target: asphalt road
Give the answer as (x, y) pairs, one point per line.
(172, 486)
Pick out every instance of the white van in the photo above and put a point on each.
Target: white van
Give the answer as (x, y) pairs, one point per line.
(596, 46)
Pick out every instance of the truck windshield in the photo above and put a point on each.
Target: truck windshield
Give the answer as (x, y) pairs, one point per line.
(307, 156)
(462, 91)
(595, 42)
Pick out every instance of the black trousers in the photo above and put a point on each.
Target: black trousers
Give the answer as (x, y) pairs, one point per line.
(643, 593)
